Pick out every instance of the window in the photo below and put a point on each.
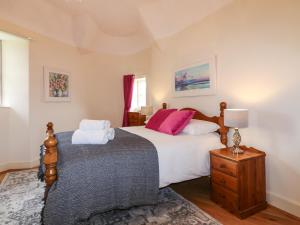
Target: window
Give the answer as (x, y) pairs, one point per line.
(0, 72)
(139, 95)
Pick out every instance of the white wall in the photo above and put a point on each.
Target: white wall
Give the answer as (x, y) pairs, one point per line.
(4, 136)
(15, 56)
(258, 50)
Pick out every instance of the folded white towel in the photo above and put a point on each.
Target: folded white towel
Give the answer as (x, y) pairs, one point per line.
(89, 125)
(110, 133)
(91, 137)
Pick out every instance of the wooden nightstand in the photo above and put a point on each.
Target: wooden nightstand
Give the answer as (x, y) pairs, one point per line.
(238, 181)
(136, 119)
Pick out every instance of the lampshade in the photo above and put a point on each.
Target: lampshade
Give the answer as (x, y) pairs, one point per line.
(146, 110)
(236, 118)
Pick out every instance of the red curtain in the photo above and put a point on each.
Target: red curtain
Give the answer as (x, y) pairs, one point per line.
(128, 81)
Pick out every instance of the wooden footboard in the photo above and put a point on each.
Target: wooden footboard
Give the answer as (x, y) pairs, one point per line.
(50, 158)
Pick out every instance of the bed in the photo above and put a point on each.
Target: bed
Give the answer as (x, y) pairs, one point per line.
(179, 158)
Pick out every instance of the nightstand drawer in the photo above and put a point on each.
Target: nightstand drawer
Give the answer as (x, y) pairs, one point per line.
(133, 121)
(226, 166)
(136, 119)
(224, 197)
(224, 180)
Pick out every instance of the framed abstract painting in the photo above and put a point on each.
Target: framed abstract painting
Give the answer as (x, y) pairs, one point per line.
(57, 85)
(195, 79)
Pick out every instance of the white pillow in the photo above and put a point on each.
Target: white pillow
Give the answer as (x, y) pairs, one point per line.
(146, 121)
(198, 127)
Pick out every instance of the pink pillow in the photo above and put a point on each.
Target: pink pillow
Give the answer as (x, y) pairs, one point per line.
(176, 122)
(159, 117)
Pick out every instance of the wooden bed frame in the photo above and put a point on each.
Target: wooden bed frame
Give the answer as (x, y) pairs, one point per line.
(50, 143)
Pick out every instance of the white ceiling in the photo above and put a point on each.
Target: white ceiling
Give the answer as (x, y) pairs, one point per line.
(111, 26)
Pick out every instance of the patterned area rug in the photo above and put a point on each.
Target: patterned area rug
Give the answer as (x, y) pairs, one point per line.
(21, 203)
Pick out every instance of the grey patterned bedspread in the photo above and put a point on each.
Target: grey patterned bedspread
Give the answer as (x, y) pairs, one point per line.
(98, 178)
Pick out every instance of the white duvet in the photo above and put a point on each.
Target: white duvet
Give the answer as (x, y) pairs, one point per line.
(181, 157)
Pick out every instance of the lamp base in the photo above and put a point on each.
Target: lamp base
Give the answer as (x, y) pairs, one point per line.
(236, 138)
(236, 150)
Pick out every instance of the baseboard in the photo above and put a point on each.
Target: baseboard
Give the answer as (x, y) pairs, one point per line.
(19, 165)
(284, 204)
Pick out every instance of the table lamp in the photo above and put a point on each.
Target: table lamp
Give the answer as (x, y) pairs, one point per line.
(236, 118)
(147, 110)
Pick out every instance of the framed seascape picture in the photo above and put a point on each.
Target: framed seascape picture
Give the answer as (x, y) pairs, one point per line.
(56, 85)
(195, 79)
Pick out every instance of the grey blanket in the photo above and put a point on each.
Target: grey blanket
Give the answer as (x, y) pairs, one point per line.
(98, 178)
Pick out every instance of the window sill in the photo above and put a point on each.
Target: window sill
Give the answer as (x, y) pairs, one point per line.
(4, 106)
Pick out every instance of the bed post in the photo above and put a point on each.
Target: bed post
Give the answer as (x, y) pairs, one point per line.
(223, 130)
(164, 105)
(50, 158)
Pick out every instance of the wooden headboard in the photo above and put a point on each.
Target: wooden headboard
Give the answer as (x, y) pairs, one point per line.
(223, 131)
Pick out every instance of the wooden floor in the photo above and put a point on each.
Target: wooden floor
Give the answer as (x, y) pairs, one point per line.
(198, 191)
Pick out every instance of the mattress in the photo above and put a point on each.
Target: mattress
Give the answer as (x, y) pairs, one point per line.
(181, 157)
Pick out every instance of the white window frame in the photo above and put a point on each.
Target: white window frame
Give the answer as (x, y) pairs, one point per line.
(136, 78)
(138, 99)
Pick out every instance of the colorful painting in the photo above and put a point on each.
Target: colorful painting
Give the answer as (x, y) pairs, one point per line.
(196, 79)
(57, 85)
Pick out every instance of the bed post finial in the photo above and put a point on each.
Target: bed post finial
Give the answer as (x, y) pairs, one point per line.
(223, 130)
(223, 106)
(50, 158)
(50, 127)
(164, 105)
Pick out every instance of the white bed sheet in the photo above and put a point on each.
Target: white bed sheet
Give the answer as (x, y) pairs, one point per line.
(181, 157)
